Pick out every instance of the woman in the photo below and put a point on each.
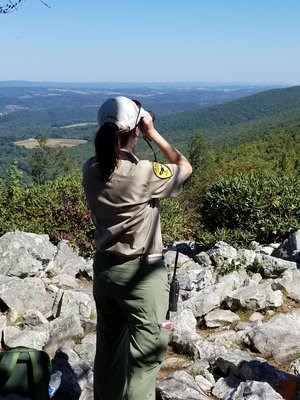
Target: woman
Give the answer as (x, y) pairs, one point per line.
(130, 278)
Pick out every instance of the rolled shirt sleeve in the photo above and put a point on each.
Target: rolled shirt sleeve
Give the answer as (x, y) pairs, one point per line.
(164, 180)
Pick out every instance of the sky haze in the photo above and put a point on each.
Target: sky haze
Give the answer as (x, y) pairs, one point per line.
(239, 41)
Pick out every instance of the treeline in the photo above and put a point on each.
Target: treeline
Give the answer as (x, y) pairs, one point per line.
(245, 184)
(226, 125)
(249, 192)
(211, 119)
(246, 192)
(24, 124)
(219, 119)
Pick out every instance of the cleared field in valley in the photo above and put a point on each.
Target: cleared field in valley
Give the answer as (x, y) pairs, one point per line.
(77, 125)
(31, 143)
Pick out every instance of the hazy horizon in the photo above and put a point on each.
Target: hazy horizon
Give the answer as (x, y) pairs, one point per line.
(148, 83)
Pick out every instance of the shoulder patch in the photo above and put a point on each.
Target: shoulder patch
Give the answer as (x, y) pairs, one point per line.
(162, 171)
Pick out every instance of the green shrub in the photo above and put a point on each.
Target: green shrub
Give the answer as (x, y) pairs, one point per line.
(264, 207)
(174, 219)
(55, 208)
(59, 209)
(235, 237)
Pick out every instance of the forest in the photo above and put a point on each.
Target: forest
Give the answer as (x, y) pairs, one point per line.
(228, 122)
(246, 171)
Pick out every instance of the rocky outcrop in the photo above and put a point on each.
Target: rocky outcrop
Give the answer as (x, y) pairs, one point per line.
(237, 308)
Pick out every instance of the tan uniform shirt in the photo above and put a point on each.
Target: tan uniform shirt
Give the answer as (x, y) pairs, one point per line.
(125, 210)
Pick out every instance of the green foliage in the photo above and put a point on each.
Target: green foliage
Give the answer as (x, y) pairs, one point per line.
(265, 207)
(255, 268)
(59, 209)
(225, 267)
(244, 153)
(202, 158)
(221, 119)
(196, 371)
(55, 208)
(47, 163)
(174, 219)
(276, 151)
(236, 237)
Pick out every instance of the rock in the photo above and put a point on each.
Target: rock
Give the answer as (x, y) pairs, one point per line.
(254, 391)
(24, 254)
(273, 267)
(289, 249)
(289, 284)
(46, 302)
(179, 386)
(254, 297)
(220, 318)
(31, 293)
(279, 337)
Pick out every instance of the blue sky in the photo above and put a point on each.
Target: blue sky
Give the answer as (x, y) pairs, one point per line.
(241, 41)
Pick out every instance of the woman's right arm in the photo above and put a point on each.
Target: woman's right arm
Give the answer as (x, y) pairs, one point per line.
(173, 155)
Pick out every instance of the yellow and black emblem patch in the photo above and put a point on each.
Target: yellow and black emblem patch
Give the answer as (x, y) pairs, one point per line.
(162, 171)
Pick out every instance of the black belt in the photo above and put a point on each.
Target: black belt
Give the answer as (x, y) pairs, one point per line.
(147, 259)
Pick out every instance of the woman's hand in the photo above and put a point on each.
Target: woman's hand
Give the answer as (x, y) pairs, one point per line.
(146, 126)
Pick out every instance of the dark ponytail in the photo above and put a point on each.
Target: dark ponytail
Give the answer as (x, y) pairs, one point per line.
(108, 142)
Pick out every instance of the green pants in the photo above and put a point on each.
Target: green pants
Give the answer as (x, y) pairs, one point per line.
(132, 302)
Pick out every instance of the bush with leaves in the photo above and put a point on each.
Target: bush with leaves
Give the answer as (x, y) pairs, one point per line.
(175, 223)
(59, 209)
(48, 163)
(55, 208)
(263, 207)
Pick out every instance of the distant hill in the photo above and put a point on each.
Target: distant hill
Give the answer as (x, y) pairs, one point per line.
(218, 118)
(27, 111)
(232, 123)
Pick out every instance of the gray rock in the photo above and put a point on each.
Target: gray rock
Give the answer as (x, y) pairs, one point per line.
(67, 261)
(63, 330)
(48, 304)
(183, 321)
(289, 249)
(78, 303)
(254, 297)
(279, 337)
(204, 384)
(290, 284)
(222, 249)
(255, 391)
(87, 349)
(179, 386)
(273, 267)
(24, 254)
(34, 318)
(212, 297)
(195, 278)
(65, 281)
(256, 316)
(31, 294)
(226, 387)
(203, 259)
(220, 318)
(14, 337)
(170, 256)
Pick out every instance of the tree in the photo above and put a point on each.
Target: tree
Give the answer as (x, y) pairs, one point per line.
(47, 163)
(202, 158)
(14, 6)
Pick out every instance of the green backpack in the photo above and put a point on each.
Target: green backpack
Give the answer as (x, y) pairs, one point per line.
(25, 372)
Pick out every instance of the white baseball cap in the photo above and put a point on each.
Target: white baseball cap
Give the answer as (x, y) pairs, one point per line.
(121, 111)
